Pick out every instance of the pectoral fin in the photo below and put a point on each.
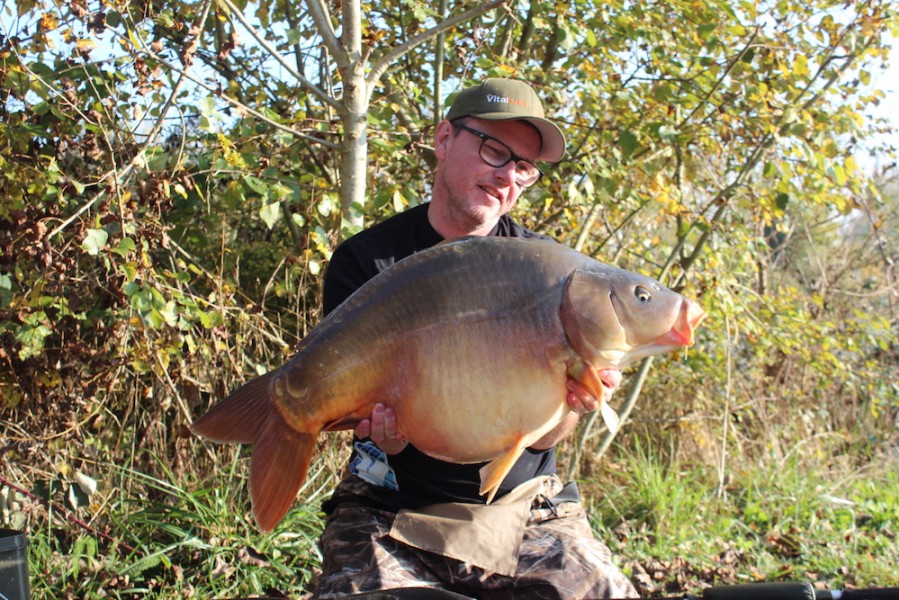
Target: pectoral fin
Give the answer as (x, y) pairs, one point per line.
(587, 376)
(494, 472)
(609, 416)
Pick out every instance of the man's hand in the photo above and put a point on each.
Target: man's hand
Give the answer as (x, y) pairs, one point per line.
(381, 429)
(582, 401)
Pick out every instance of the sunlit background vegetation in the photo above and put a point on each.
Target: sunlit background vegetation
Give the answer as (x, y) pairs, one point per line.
(173, 177)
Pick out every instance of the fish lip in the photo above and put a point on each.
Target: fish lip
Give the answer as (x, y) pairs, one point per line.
(682, 334)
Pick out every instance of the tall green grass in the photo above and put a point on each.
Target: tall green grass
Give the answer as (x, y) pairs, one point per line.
(177, 539)
(823, 519)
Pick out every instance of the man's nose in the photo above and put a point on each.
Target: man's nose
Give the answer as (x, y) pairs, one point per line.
(505, 173)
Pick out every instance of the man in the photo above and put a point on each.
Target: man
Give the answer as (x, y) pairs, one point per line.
(534, 541)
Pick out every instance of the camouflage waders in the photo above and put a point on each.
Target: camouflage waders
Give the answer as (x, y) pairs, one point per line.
(558, 556)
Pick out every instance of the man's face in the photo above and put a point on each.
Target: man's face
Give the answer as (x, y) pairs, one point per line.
(472, 194)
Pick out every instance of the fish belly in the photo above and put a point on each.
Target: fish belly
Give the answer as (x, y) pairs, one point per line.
(485, 386)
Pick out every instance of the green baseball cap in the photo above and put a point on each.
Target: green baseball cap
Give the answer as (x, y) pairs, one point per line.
(504, 99)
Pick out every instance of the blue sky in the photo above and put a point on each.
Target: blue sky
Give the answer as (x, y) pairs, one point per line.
(888, 81)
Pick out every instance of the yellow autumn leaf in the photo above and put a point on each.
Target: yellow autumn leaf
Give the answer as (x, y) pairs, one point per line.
(85, 45)
(48, 22)
(800, 66)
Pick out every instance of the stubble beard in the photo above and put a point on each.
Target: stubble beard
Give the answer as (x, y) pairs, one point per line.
(464, 214)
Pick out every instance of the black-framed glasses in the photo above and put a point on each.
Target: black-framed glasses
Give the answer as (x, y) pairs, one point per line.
(497, 154)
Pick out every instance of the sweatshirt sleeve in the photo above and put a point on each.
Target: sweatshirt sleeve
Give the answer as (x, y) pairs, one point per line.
(345, 274)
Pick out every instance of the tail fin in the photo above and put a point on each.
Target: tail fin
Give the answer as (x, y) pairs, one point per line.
(280, 461)
(281, 455)
(240, 417)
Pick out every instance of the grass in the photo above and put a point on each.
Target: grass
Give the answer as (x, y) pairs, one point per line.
(176, 540)
(671, 525)
(828, 522)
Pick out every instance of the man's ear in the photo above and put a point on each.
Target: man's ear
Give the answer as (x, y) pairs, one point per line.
(443, 136)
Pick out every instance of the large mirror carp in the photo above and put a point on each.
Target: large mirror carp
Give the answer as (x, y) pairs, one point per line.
(470, 342)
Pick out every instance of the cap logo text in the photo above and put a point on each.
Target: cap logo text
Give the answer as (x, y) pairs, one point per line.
(505, 100)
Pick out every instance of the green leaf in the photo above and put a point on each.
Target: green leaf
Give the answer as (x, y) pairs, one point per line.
(129, 269)
(269, 213)
(25, 6)
(705, 30)
(663, 92)
(566, 38)
(5, 290)
(94, 241)
(234, 196)
(210, 319)
(838, 173)
(154, 319)
(125, 246)
(628, 142)
(208, 113)
(31, 335)
(131, 288)
(667, 133)
(399, 203)
(257, 185)
(326, 206)
(170, 313)
(165, 18)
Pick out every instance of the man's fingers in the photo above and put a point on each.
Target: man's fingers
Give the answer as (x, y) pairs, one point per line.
(381, 429)
(580, 400)
(389, 423)
(377, 422)
(611, 379)
(363, 429)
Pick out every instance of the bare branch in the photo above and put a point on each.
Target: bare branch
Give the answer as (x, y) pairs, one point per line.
(322, 19)
(438, 61)
(273, 52)
(381, 67)
(121, 178)
(236, 103)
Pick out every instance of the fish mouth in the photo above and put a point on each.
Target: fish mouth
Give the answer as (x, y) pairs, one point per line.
(681, 333)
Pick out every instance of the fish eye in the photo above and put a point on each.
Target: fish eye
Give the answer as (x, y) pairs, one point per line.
(642, 294)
